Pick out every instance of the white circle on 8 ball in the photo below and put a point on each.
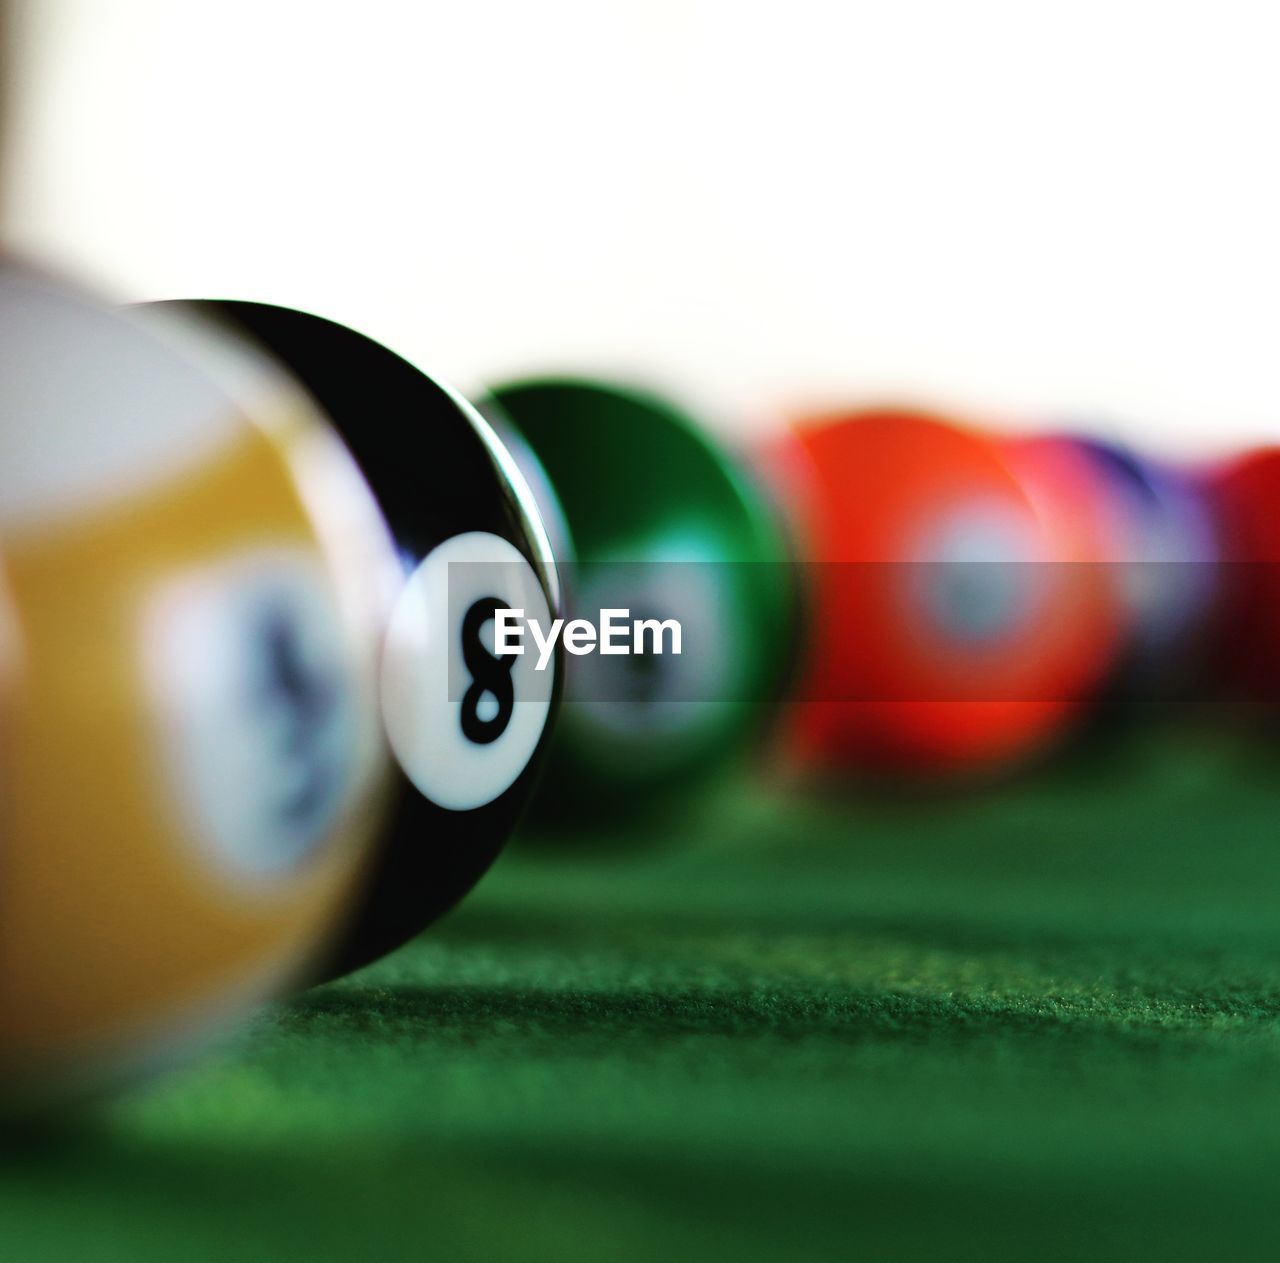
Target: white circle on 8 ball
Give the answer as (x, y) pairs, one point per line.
(463, 721)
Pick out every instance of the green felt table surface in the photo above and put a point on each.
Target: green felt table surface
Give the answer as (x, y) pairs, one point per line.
(1033, 1023)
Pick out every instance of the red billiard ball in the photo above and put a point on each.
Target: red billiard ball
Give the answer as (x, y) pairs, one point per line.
(949, 636)
(1243, 494)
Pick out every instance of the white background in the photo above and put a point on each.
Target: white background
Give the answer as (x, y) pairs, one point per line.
(1036, 211)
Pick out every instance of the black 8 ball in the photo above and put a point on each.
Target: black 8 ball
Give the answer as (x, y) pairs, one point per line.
(467, 726)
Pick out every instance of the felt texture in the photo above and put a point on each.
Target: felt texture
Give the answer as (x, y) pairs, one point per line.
(1039, 1021)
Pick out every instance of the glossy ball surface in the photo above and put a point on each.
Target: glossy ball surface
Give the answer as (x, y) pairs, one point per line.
(190, 751)
(664, 525)
(467, 726)
(947, 636)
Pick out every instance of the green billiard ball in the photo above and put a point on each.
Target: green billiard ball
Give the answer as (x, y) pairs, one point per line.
(659, 522)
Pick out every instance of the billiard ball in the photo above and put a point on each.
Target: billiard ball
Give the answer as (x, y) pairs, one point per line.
(1071, 497)
(665, 528)
(466, 721)
(1244, 663)
(1068, 493)
(1163, 555)
(946, 638)
(191, 759)
(547, 502)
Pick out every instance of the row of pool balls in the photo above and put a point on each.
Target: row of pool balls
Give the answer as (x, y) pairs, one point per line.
(255, 731)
